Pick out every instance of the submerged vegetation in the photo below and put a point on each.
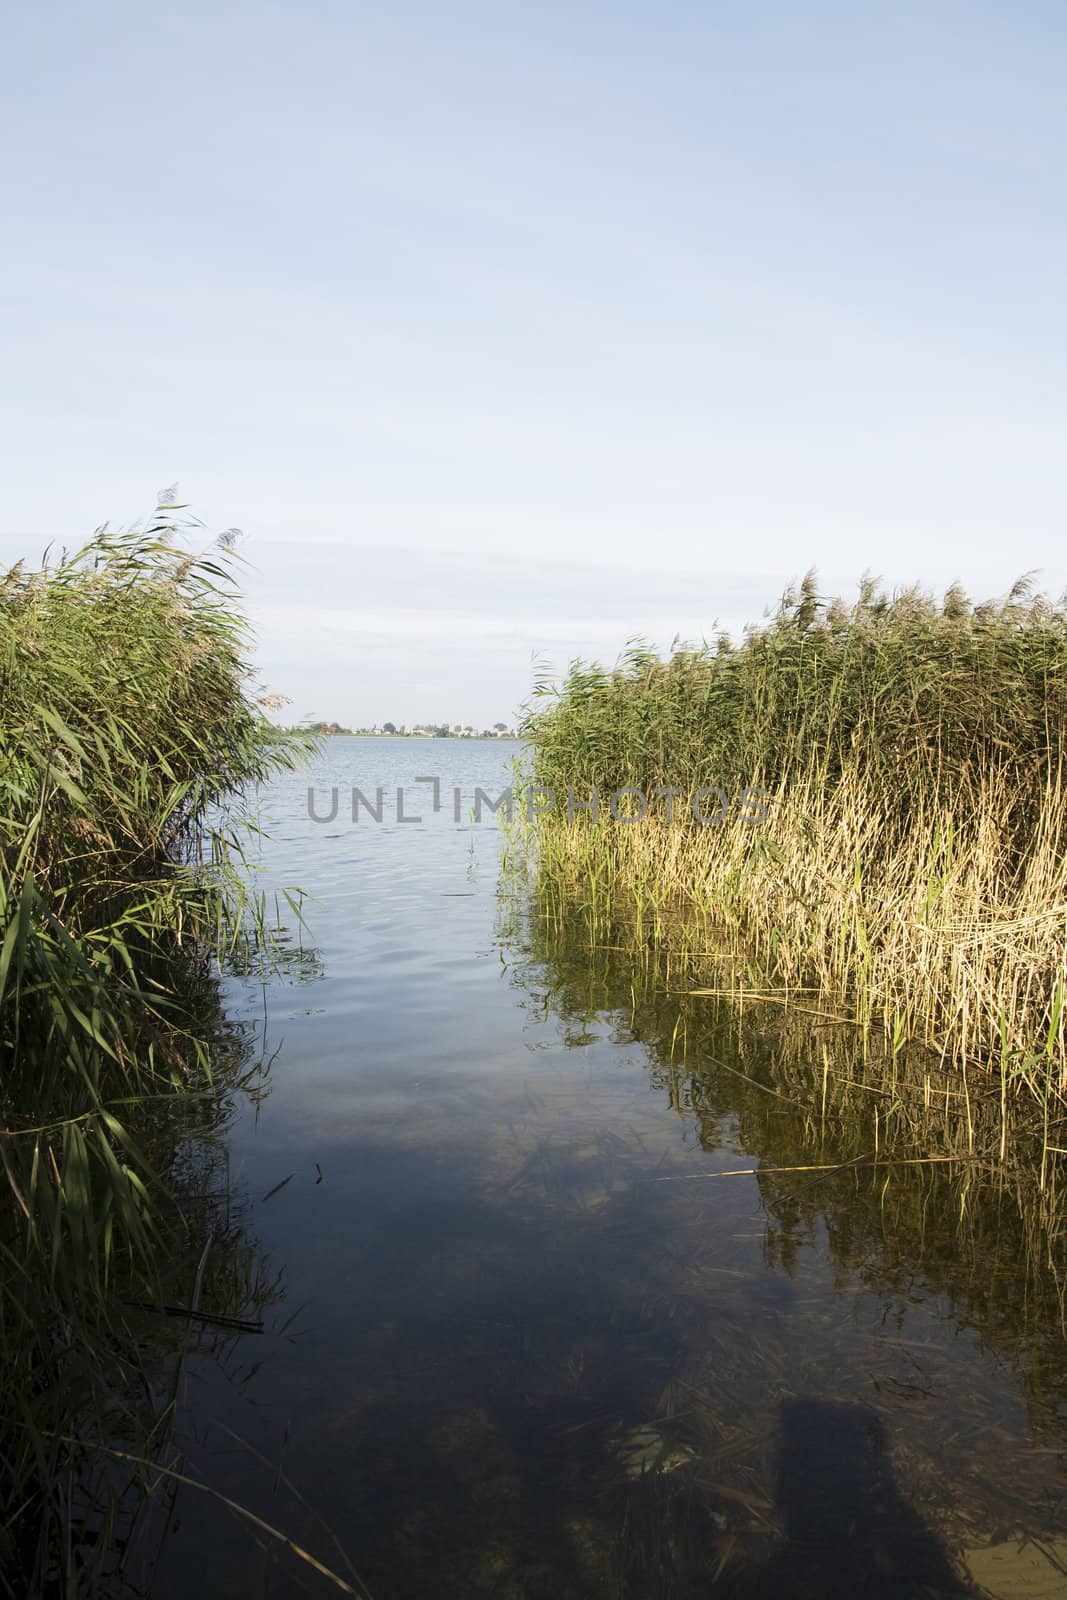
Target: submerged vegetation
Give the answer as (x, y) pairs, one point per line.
(910, 874)
(129, 726)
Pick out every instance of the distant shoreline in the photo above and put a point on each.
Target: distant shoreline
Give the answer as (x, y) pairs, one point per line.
(361, 733)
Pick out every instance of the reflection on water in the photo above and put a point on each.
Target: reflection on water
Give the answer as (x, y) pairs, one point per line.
(93, 1381)
(540, 1348)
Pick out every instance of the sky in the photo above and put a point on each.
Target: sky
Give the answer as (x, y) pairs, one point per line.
(508, 333)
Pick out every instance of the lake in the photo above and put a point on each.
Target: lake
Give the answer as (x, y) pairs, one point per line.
(532, 1325)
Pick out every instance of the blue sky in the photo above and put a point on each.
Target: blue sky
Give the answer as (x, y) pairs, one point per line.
(511, 331)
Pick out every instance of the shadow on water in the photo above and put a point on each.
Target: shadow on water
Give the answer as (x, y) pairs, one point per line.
(847, 1528)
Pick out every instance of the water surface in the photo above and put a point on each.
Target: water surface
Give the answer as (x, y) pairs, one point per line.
(524, 1343)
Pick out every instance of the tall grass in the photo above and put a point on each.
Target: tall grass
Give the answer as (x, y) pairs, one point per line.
(910, 870)
(129, 728)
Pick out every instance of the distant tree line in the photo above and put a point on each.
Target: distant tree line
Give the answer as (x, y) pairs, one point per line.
(420, 730)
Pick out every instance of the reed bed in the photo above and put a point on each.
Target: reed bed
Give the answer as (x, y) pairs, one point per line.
(904, 862)
(129, 730)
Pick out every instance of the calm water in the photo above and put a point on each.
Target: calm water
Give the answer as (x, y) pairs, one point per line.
(520, 1344)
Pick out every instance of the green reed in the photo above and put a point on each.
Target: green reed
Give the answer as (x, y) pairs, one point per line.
(130, 729)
